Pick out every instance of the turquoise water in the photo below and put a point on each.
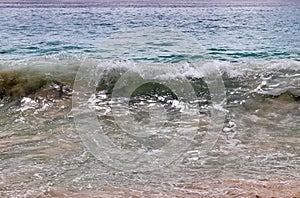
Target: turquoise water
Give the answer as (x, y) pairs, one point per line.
(142, 98)
(230, 32)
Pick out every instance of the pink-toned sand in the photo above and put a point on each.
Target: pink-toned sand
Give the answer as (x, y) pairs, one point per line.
(225, 188)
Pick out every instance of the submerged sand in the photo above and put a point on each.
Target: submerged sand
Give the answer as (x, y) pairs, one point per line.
(222, 188)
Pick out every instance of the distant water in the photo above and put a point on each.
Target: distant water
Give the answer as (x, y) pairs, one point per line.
(62, 63)
(228, 32)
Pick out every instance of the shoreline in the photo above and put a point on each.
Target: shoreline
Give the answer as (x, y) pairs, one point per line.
(222, 188)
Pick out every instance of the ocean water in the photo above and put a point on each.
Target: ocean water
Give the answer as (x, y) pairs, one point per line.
(144, 98)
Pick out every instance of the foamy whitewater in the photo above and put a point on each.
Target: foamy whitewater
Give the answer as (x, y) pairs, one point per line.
(149, 99)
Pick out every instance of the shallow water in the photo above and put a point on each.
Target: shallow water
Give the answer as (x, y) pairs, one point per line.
(150, 111)
(42, 150)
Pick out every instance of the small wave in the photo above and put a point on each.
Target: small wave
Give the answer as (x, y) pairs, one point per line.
(29, 78)
(25, 78)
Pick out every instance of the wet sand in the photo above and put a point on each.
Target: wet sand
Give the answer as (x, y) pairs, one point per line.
(223, 188)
